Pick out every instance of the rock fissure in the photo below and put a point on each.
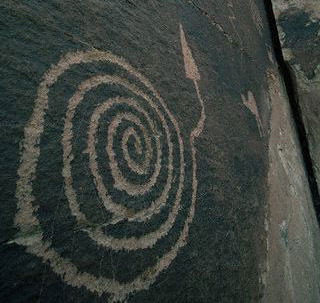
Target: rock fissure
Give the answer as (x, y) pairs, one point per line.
(290, 85)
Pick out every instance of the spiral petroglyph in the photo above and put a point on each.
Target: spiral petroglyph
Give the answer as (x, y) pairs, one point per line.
(137, 124)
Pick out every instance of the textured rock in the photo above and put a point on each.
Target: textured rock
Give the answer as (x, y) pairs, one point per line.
(298, 24)
(149, 155)
(293, 240)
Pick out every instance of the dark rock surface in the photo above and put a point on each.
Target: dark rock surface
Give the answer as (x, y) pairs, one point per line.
(148, 155)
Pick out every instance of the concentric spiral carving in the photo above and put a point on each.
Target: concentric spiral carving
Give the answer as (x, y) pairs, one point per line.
(149, 138)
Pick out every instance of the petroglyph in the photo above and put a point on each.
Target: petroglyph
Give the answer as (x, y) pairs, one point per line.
(192, 73)
(144, 132)
(189, 64)
(250, 103)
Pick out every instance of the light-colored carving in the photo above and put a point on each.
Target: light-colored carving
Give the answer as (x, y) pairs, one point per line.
(193, 74)
(189, 64)
(250, 103)
(26, 218)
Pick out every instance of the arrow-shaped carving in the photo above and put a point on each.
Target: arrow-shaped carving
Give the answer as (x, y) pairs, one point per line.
(192, 72)
(189, 64)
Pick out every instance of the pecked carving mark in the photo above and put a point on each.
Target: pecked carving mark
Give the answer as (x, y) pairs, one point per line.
(251, 104)
(26, 217)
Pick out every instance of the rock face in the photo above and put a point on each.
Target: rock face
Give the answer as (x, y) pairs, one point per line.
(149, 155)
(298, 24)
(293, 271)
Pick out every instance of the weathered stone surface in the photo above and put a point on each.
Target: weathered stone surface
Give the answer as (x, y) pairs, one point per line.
(299, 29)
(149, 155)
(293, 241)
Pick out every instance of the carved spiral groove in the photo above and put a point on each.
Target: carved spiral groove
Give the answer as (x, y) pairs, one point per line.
(142, 159)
